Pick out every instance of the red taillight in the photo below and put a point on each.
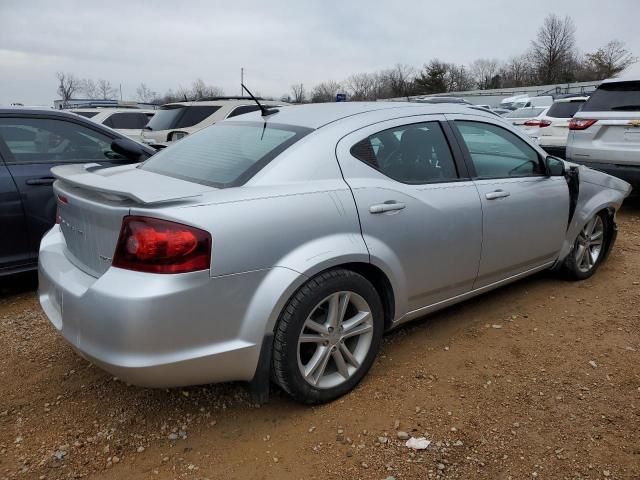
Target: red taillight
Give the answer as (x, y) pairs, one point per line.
(580, 123)
(532, 123)
(544, 123)
(61, 199)
(153, 245)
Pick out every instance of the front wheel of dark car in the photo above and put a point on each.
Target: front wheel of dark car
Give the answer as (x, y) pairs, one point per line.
(589, 248)
(327, 337)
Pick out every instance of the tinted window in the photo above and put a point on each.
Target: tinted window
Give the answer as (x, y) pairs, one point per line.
(417, 153)
(496, 152)
(525, 113)
(128, 120)
(33, 140)
(180, 116)
(225, 154)
(86, 114)
(564, 109)
(618, 96)
(243, 109)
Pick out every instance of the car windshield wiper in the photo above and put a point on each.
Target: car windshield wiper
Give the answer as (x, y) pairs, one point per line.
(626, 107)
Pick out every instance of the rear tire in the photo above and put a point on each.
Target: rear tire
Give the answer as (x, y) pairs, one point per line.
(589, 248)
(327, 336)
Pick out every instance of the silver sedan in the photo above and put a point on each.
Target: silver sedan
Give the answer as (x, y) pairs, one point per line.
(283, 247)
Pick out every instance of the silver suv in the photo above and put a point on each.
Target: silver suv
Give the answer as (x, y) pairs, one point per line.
(605, 133)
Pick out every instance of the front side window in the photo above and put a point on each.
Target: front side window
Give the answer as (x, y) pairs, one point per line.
(44, 140)
(415, 154)
(497, 153)
(225, 154)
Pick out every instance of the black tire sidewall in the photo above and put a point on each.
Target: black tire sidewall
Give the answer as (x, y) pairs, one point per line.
(296, 313)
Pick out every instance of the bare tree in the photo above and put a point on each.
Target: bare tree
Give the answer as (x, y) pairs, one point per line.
(610, 60)
(517, 72)
(105, 89)
(200, 90)
(553, 50)
(89, 88)
(298, 93)
(361, 86)
(325, 92)
(68, 84)
(484, 70)
(398, 80)
(145, 94)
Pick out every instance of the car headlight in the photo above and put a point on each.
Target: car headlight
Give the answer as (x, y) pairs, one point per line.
(173, 136)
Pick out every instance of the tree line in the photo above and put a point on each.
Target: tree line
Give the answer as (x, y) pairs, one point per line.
(552, 57)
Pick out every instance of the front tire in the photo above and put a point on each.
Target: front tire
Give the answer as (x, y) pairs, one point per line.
(327, 337)
(589, 249)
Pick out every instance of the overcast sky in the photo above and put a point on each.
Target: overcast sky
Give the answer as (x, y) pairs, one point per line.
(167, 44)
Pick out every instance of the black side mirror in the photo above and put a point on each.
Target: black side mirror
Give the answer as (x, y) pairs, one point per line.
(555, 167)
(128, 149)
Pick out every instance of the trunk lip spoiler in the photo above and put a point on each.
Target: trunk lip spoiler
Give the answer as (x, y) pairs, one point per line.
(85, 176)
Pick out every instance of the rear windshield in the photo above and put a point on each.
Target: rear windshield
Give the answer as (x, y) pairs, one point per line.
(86, 114)
(171, 117)
(525, 113)
(226, 154)
(612, 97)
(564, 109)
(127, 121)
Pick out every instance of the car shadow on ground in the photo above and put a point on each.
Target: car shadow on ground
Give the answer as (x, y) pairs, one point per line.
(18, 283)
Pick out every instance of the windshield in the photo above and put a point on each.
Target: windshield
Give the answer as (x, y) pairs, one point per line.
(525, 113)
(564, 109)
(619, 96)
(226, 154)
(170, 117)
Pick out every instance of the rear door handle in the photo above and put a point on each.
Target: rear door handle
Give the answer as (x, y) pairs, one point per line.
(389, 206)
(497, 194)
(40, 181)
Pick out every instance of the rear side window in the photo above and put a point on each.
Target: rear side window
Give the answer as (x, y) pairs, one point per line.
(226, 154)
(612, 97)
(564, 109)
(180, 116)
(127, 121)
(414, 154)
(243, 109)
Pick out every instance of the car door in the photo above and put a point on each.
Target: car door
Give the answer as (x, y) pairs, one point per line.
(33, 146)
(14, 248)
(525, 212)
(419, 212)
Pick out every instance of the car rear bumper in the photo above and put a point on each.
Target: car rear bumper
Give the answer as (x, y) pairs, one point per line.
(628, 173)
(157, 330)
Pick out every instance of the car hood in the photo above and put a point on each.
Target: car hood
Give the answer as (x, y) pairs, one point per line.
(602, 179)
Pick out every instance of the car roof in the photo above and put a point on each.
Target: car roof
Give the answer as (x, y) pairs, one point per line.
(317, 115)
(229, 101)
(112, 110)
(577, 98)
(622, 79)
(34, 110)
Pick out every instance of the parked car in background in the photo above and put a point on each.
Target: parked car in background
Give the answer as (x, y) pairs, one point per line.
(284, 246)
(605, 133)
(540, 101)
(174, 121)
(515, 102)
(127, 121)
(554, 125)
(31, 142)
(434, 100)
(527, 119)
(501, 111)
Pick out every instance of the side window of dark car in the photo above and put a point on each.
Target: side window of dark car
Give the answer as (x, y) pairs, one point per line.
(243, 109)
(46, 140)
(415, 154)
(498, 153)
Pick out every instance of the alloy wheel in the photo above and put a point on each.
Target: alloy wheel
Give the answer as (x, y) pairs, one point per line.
(588, 247)
(335, 339)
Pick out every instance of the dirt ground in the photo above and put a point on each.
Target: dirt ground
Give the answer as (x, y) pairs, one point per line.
(540, 379)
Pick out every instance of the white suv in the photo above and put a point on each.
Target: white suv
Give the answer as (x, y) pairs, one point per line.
(127, 121)
(605, 133)
(174, 121)
(554, 126)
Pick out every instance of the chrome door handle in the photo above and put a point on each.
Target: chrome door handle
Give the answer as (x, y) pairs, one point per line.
(386, 207)
(497, 194)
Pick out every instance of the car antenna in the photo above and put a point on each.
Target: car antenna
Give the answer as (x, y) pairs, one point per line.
(265, 111)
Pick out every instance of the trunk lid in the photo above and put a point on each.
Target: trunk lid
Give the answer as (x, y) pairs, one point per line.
(615, 136)
(92, 202)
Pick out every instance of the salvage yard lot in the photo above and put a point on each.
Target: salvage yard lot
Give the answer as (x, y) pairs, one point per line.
(538, 379)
